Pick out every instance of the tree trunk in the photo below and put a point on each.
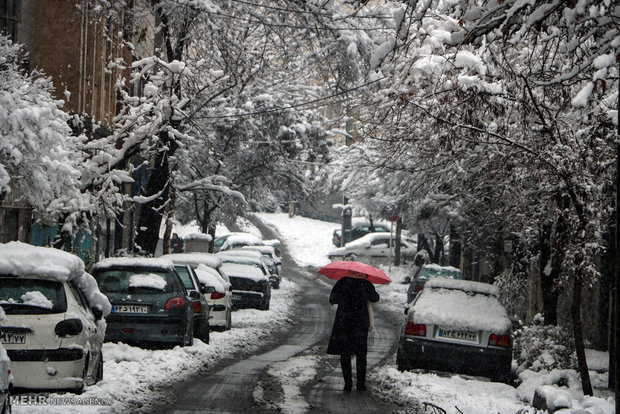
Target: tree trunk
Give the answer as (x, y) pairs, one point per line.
(455, 248)
(397, 242)
(586, 385)
(151, 212)
(548, 276)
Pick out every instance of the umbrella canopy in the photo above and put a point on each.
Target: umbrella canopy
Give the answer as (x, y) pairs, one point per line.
(339, 269)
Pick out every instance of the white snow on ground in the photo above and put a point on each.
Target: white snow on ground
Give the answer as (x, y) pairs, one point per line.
(132, 375)
(292, 375)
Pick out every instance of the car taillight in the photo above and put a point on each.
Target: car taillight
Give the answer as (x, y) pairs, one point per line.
(418, 287)
(416, 329)
(68, 327)
(499, 340)
(175, 303)
(217, 295)
(197, 306)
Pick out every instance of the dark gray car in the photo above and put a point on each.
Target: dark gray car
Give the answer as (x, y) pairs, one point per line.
(200, 306)
(150, 304)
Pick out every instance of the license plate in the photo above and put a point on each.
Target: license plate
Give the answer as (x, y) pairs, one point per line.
(12, 338)
(130, 309)
(236, 297)
(458, 335)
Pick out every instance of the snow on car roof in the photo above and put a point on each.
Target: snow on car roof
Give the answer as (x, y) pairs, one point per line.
(211, 277)
(243, 270)
(367, 238)
(466, 285)
(458, 308)
(263, 249)
(148, 262)
(196, 258)
(19, 259)
(241, 238)
(254, 254)
(22, 259)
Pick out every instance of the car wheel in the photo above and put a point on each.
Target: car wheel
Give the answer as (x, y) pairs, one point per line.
(351, 257)
(100, 370)
(6, 408)
(228, 321)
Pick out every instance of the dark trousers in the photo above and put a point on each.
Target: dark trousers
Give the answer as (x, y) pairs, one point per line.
(347, 371)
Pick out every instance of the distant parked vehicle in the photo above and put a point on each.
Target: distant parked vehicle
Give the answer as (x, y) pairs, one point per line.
(251, 257)
(372, 245)
(53, 328)
(220, 302)
(272, 260)
(251, 288)
(457, 326)
(427, 272)
(235, 241)
(150, 304)
(200, 305)
(359, 227)
(275, 243)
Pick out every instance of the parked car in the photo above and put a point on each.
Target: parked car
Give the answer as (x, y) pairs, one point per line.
(235, 241)
(6, 379)
(219, 298)
(200, 305)
(359, 227)
(457, 326)
(149, 301)
(250, 287)
(275, 243)
(270, 257)
(375, 245)
(220, 303)
(54, 328)
(250, 257)
(427, 272)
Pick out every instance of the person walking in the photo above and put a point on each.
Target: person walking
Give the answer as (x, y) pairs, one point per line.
(176, 243)
(351, 325)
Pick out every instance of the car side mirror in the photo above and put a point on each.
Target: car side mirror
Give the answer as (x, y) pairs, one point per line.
(97, 313)
(407, 280)
(194, 295)
(273, 279)
(368, 245)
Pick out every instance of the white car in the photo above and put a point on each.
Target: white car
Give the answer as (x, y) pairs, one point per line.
(373, 245)
(235, 241)
(457, 326)
(219, 296)
(220, 303)
(54, 326)
(250, 257)
(6, 379)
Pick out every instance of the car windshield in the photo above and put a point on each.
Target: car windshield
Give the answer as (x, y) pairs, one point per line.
(133, 280)
(186, 278)
(32, 296)
(429, 272)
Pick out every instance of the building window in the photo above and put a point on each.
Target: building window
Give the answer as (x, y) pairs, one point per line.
(9, 17)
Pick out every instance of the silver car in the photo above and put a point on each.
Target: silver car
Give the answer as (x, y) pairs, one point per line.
(457, 326)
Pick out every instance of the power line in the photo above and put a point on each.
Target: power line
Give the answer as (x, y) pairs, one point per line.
(314, 13)
(302, 104)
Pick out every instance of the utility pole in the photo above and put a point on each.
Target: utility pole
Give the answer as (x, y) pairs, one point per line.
(614, 366)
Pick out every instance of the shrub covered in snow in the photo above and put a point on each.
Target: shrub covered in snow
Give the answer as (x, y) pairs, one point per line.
(544, 347)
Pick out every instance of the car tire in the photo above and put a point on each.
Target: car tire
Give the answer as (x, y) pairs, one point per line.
(6, 408)
(228, 321)
(100, 370)
(351, 257)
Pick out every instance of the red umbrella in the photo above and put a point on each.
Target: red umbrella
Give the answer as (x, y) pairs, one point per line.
(339, 269)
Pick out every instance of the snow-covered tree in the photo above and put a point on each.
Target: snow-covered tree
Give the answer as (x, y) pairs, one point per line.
(40, 160)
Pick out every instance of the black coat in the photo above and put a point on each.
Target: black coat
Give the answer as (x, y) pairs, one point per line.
(350, 332)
